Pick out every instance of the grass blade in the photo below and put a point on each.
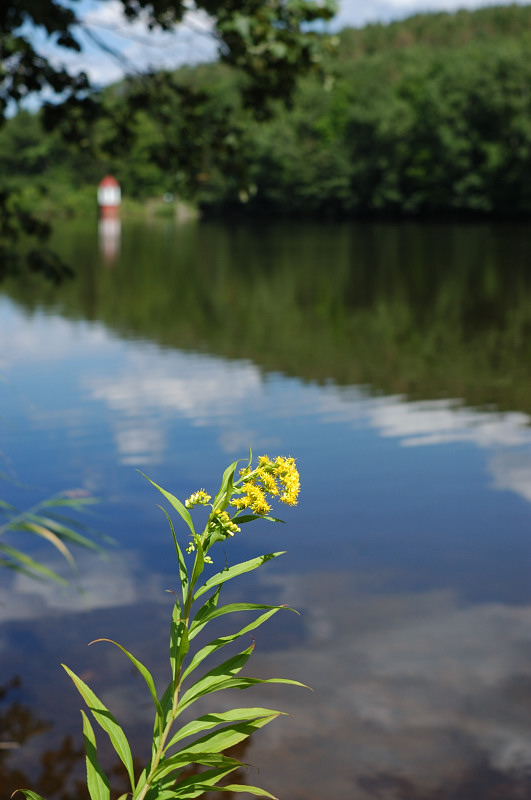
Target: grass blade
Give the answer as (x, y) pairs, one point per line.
(18, 557)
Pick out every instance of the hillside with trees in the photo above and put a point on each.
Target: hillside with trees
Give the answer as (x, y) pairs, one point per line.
(426, 117)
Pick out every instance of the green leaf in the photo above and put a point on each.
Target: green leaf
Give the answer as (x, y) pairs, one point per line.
(97, 782)
(178, 506)
(208, 721)
(224, 640)
(196, 785)
(183, 572)
(65, 532)
(28, 794)
(205, 615)
(184, 758)
(236, 683)
(215, 678)
(225, 492)
(143, 671)
(236, 787)
(179, 642)
(74, 503)
(226, 737)
(45, 533)
(199, 564)
(233, 572)
(105, 719)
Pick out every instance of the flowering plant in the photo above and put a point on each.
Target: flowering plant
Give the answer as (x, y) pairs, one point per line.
(202, 741)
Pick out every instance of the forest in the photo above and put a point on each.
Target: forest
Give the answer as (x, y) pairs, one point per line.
(428, 117)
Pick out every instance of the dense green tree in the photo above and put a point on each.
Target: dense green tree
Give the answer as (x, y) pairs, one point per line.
(428, 116)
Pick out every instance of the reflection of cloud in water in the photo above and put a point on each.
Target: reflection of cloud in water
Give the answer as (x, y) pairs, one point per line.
(414, 686)
(108, 582)
(151, 388)
(445, 421)
(201, 389)
(512, 471)
(411, 690)
(207, 390)
(196, 387)
(22, 337)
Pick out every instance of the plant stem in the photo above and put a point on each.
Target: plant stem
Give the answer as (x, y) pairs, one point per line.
(177, 686)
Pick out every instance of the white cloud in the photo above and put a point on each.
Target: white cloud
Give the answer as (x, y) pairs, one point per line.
(130, 47)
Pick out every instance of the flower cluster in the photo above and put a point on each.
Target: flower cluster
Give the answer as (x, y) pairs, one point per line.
(278, 478)
(200, 498)
(221, 521)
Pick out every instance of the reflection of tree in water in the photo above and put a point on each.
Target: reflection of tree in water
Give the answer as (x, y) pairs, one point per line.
(18, 725)
(57, 776)
(481, 781)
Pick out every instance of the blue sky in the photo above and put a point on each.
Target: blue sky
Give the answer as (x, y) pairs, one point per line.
(191, 43)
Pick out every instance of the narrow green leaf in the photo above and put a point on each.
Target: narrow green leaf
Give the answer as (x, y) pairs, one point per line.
(205, 615)
(70, 502)
(209, 606)
(65, 532)
(236, 787)
(224, 738)
(208, 721)
(215, 677)
(178, 506)
(45, 533)
(237, 569)
(241, 520)
(234, 683)
(179, 642)
(183, 572)
(199, 564)
(28, 794)
(33, 565)
(142, 669)
(211, 647)
(97, 782)
(183, 759)
(105, 719)
(196, 785)
(224, 494)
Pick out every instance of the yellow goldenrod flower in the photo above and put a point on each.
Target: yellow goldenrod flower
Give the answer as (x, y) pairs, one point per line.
(278, 478)
(197, 498)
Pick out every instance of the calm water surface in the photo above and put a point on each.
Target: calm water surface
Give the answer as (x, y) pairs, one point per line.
(394, 362)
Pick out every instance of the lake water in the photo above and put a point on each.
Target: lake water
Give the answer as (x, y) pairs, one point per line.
(394, 363)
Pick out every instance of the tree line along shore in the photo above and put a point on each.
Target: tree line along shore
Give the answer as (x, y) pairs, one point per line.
(423, 118)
